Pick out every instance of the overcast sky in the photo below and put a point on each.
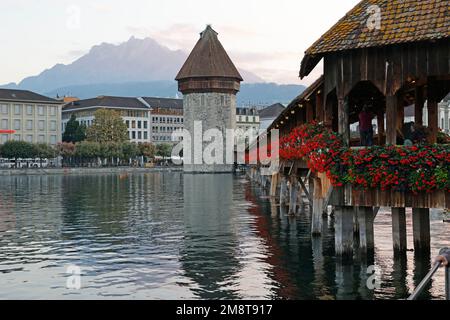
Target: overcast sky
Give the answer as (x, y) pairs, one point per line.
(267, 37)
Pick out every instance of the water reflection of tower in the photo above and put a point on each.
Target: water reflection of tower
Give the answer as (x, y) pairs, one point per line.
(209, 251)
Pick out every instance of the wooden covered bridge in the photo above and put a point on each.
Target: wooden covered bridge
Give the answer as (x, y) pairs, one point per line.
(385, 55)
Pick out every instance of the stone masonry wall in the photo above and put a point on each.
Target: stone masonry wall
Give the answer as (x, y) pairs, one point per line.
(214, 110)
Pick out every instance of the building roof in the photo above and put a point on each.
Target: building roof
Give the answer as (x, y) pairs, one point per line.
(306, 94)
(107, 101)
(272, 111)
(243, 111)
(25, 96)
(164, 103)
(208, 59)
(402, 21)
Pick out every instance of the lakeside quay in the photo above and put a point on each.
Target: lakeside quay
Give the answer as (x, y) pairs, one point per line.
(84, 171)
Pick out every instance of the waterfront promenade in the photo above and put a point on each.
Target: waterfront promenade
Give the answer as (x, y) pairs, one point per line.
(83, 171)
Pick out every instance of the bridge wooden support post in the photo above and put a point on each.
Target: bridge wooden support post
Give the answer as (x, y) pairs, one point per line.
(366, 231)
(283, 190)
(317, 208)
(355, 221)
(399, 230)
(293, 194)
(344, 231)
(421, 230)
(274, 184)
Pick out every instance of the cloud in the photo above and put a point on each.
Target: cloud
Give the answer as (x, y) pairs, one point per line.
(274, 66)
(176, 37)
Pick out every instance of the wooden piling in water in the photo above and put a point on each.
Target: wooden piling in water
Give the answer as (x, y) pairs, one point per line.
(274, 184)
(344, 231)
(317, 208)
(399, 230)
(366, 231)
(283, 190)
(421, 229)
(293, 195)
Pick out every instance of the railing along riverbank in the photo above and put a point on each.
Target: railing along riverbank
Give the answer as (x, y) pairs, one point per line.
(442, 260)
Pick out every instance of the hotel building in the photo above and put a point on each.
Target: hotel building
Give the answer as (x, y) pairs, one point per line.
(34, 117)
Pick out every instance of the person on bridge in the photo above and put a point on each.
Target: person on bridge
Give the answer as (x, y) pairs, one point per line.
(365, 127)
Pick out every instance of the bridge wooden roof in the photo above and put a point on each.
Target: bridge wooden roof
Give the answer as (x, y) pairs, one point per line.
(402, 21)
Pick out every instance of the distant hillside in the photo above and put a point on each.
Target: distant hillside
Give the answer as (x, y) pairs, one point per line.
(258, 93)
(137, 60)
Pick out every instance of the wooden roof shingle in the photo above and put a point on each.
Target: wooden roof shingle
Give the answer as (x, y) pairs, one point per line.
(208, 59)
(401, 21)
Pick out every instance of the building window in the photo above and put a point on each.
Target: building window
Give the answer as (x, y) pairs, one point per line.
(17, 137)
(29, 110)
(139, 124)
(29, 138)
(53, 125)
(53, 111)
(133, 124)
(5, 109)
(5, 124)
(17, 109)
(139, 135)
(41, 111)
(52, 139)
(4, 138)
(145, 135)
(145, 124)
(133, 135)
(29, 124)
(128, 124)
(16, 124)
(41, 125)
(41, 138)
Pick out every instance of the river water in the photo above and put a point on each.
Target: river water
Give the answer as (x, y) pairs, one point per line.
(173, 236)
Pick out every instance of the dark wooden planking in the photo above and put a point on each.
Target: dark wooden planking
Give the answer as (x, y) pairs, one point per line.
(389, 198)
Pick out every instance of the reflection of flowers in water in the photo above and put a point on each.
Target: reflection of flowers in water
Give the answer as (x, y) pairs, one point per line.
(7, 217)
(446, 215)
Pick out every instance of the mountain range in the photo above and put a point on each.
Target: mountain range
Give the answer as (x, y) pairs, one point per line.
(138, 67)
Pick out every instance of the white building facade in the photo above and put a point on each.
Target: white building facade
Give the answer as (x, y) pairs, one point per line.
(167, 118)
(135, 112)
(33, 118)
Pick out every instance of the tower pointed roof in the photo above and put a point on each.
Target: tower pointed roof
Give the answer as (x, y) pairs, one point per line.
(208, 59)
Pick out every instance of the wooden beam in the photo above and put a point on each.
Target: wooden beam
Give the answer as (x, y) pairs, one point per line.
(305, 190)
(366, 230)
(399, 229)
(400, 112)
(344, 231)
(433, 117)
(391, 120)
(327, 199)
(317, 208)
(380, 125)
(344, 129)
(319, 106)
(421, 230)
(418, 106)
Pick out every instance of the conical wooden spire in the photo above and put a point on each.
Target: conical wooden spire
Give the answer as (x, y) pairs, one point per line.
(208, 59)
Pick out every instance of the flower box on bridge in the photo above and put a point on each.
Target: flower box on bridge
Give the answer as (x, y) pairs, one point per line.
(389, 198)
